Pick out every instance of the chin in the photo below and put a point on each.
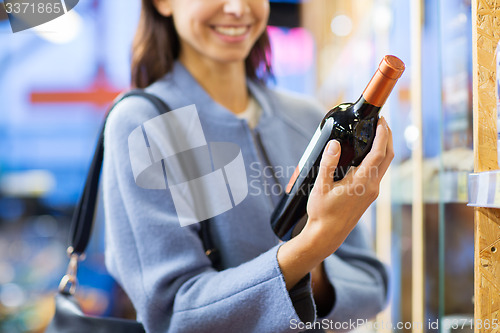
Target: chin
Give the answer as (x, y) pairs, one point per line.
(232, 56)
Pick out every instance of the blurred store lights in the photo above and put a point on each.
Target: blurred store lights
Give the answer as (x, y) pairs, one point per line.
(341, 25)
(12, 295)
(362, 52)
(382, 19)
(45, 226)
(11, 209)
(458, 22)
(7, 273)
(31, 183)
(61, 30)
(411, 135)
(100, 93)
(292, 50)
(293, 55)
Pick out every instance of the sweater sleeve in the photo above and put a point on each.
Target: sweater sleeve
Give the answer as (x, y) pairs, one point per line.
(360, 281)
(162, 266)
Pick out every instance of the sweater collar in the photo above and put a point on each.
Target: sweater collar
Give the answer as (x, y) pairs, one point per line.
(194, 92)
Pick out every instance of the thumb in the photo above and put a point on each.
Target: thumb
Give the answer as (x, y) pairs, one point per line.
(327, 166)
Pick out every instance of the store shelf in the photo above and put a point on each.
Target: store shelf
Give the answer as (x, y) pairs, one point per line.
(444, 181)
(484, 189)
(449, 187)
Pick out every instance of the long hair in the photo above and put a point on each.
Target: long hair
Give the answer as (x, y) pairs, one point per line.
(156, 46)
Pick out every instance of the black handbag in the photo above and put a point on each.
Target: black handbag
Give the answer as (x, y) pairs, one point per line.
(68, 316)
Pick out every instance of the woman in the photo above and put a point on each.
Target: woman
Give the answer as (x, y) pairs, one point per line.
(213, 54)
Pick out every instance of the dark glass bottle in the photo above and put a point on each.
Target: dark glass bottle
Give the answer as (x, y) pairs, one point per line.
(354, 126)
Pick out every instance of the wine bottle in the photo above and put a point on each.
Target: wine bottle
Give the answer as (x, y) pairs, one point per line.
(354, 126)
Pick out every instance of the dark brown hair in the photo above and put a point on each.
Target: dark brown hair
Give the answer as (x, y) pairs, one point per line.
(156, 46)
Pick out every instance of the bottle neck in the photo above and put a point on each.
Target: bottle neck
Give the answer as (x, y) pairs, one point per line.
(378, 89)
(363, 109)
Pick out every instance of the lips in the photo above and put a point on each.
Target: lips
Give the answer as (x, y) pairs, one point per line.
(232, 31)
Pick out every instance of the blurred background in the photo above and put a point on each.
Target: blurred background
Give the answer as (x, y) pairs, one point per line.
(57, 80)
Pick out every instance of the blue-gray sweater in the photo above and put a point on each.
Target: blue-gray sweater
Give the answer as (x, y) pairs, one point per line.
(163, 267)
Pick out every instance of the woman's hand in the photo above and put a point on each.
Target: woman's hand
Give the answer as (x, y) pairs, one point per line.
(334, 208)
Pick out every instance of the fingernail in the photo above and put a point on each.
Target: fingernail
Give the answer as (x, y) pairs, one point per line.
(384, 123)
(333, 147)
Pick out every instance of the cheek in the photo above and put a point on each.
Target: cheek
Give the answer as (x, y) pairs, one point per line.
(191, 19)
(261, 10)
(200, 12)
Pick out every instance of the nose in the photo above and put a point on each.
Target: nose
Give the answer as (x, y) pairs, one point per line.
(236, 7)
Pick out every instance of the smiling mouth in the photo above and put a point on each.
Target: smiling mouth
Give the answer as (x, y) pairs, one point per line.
(232, 31)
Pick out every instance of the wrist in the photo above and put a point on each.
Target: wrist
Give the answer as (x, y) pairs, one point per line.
(320, 238)
(297, 257)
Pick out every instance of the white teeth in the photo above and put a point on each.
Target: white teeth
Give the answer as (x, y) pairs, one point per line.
(231, 31)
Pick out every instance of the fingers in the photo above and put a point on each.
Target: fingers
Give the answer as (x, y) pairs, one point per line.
(327, 166)
(389, 155)
(378, 151)
(372, 168)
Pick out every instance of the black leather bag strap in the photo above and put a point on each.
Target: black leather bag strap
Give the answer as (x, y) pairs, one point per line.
(83, 217)
(210, 250)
